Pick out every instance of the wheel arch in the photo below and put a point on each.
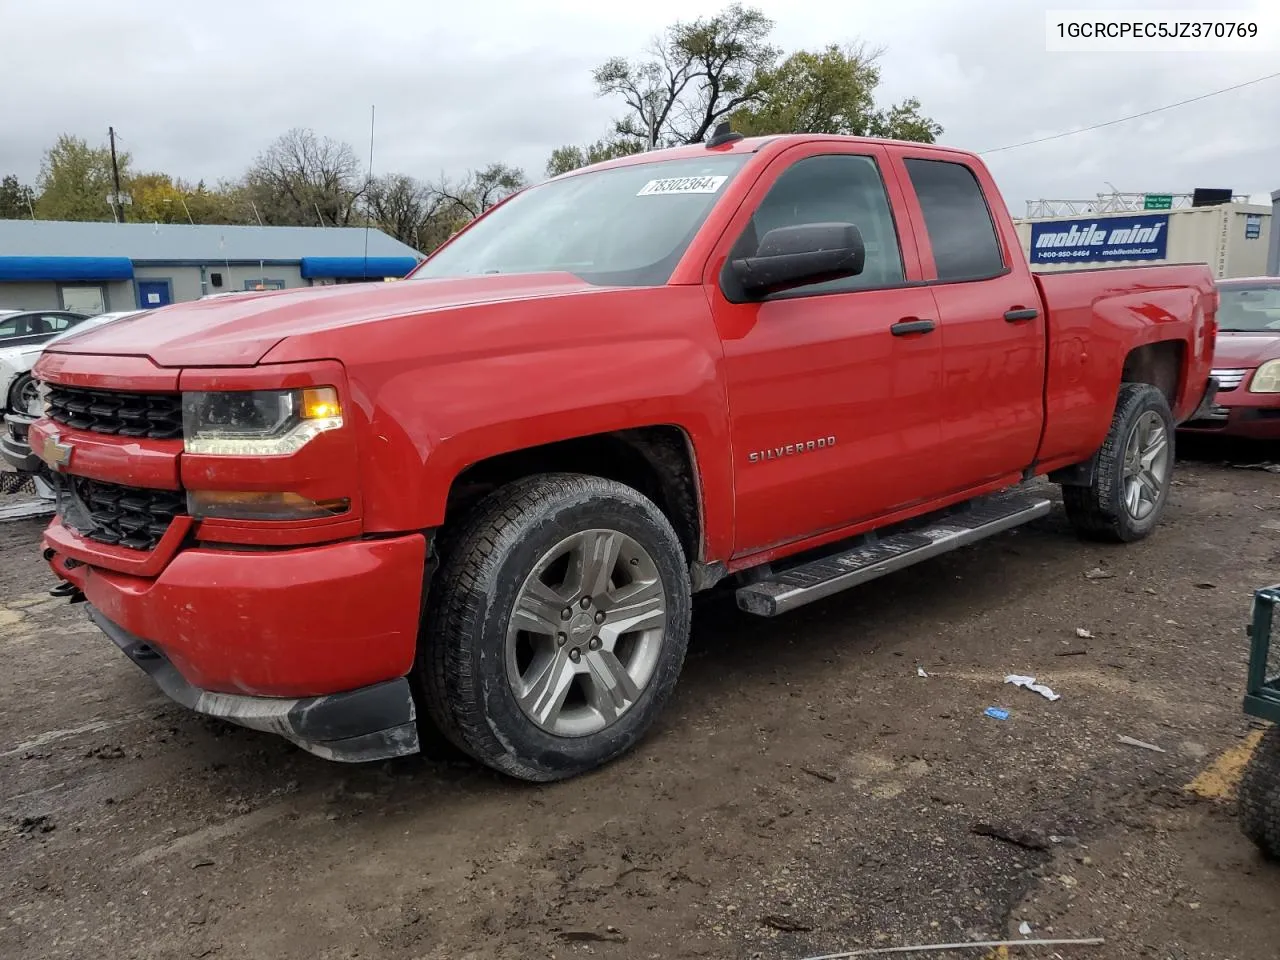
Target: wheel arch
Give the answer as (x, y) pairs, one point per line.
(658, 461)
(1161, 364)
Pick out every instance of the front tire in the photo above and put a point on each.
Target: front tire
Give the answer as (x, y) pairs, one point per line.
(1134, 471)
(22, 393)
(557, 626)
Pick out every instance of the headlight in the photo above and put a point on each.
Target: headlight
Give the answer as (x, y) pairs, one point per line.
(1267, 378)
(255, 423)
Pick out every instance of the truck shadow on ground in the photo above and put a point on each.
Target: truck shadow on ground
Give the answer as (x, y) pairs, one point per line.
(732, 657)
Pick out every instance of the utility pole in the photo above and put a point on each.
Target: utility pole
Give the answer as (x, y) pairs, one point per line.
(115, 171)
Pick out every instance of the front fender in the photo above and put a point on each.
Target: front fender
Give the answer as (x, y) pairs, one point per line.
(505, 377)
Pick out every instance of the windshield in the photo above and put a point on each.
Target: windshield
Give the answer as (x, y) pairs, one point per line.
(627, 226)
(1252, 308)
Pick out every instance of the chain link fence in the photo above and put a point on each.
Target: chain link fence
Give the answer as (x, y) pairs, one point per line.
(17, 483)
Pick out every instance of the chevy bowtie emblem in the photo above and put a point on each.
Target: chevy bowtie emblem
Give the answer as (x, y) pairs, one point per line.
(56, 453)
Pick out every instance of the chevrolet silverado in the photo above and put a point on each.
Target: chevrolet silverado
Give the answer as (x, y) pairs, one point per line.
(469, 509)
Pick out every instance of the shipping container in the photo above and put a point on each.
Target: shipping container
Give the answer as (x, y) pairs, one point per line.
(1231, 238)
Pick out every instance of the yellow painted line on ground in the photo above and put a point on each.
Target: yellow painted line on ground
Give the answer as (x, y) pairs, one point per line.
(1221, 780)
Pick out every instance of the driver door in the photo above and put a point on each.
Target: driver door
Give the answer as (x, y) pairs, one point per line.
(833, 413)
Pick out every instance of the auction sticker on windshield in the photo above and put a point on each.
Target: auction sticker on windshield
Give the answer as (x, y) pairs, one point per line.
(682, 185)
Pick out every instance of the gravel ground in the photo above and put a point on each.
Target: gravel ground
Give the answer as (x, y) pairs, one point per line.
(807, 791)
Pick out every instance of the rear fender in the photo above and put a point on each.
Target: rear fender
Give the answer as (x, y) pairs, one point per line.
(1096, 322)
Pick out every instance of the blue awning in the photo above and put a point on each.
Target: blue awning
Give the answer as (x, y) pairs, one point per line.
(356, 268)
(17, 269)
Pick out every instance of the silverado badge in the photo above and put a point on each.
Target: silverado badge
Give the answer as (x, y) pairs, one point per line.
(55, 453)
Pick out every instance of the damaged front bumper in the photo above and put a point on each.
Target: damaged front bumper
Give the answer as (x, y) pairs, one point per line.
(371, 723)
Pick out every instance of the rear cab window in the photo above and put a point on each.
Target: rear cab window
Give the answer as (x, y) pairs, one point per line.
(957, 220)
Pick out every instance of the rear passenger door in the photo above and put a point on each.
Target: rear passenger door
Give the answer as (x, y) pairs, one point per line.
(993, 335)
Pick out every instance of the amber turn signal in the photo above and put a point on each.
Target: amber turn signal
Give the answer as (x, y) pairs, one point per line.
(255, 505)
(320, 403)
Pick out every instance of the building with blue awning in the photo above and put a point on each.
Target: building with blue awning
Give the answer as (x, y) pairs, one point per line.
(96, 267)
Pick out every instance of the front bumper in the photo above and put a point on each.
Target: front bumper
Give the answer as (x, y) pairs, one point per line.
(312, 643)
(268, 623)
(1254, 416)
(371, 723)
(14, 446)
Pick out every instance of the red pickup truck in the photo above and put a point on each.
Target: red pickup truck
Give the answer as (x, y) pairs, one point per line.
(470, 508)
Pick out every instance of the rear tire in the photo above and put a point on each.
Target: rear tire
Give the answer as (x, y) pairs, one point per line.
(557, 626)
(1260, 795)
(1134, 471)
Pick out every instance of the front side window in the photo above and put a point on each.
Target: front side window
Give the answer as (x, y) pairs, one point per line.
(961, 231)
(625, 226)
(1252, 308)
(834, 188)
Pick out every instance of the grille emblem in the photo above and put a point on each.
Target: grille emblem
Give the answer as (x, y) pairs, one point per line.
(56, 453)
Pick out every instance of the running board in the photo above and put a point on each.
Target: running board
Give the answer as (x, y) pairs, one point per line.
(873, 556)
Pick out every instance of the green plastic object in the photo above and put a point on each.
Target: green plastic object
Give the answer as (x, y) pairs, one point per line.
(1262, 691)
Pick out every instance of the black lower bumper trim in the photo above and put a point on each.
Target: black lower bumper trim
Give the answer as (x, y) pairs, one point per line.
(372, 723)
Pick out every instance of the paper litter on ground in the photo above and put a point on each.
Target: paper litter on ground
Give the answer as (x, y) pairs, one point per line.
(920, 672)
(1030, 684)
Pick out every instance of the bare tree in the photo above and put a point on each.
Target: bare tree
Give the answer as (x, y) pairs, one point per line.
(695, 75)
(481, 189)
(303, 179)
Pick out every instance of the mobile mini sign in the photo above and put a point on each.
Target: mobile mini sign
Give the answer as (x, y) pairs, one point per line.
(1101, 240)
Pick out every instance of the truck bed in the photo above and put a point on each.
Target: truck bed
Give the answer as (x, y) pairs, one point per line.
(1095, 319)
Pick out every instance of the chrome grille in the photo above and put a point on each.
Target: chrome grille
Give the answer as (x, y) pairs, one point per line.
(1229, 379)
(154, 415)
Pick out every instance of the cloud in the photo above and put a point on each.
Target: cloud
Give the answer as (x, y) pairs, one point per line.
(198, 90)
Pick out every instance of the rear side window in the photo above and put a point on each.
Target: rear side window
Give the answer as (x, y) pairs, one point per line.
(959, 223)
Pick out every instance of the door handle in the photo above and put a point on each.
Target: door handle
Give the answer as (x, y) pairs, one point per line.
(1018, 314)
(911, 325)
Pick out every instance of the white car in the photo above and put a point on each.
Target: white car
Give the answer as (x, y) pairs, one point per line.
(17, 389)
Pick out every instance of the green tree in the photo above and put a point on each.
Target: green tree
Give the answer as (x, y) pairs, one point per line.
(159, 198)
(831, 91)
(571, 157)
(75, 180)
(481, 189)
(16, 199)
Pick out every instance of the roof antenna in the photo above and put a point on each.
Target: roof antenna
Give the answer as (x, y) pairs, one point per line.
(367, 183)
(722, 135)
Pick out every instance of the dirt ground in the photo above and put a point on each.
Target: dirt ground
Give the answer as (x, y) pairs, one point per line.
(806, 793)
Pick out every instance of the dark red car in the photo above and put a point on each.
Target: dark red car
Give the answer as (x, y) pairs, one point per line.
(1246, 362)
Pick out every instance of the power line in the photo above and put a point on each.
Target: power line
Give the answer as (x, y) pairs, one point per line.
(1134, 116)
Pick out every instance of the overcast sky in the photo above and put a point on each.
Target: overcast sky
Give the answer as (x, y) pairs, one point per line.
(196, 90)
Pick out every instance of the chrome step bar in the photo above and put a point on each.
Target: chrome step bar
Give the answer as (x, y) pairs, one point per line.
(871, 556)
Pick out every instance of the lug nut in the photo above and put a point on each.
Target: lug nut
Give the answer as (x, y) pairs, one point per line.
(595, 643)
(599, 616)
(586, 602)
(561, 639)
(575, 654)
(566, 613)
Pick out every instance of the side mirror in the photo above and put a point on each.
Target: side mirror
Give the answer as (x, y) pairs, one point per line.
(801, 254)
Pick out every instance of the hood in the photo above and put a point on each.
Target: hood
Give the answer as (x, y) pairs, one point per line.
(1245, 350)
(240, 330)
